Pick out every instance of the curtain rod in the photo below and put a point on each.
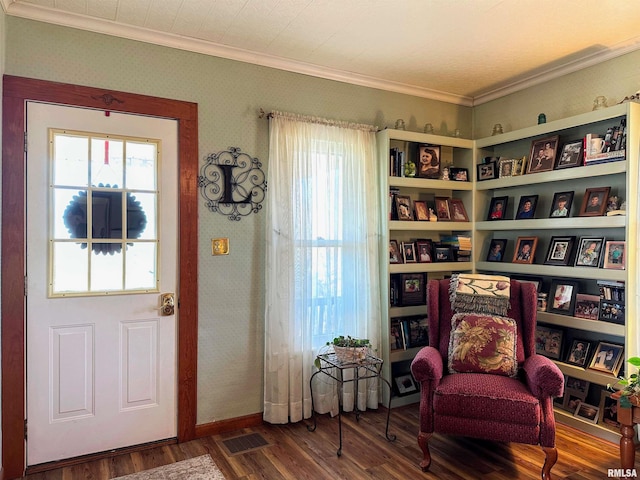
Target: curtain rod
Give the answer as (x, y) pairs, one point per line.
(318, 120)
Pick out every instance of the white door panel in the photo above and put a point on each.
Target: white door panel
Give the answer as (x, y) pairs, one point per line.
(101, 369)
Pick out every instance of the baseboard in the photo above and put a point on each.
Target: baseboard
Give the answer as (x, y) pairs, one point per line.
(230, 425)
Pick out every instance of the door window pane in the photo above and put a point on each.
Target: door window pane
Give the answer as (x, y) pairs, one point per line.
(106, 162)
(70, 268)
(141, 166)
(141, 266)
(70, 160)
(106, 270)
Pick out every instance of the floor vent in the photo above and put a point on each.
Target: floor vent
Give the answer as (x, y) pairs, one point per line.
(244, 443)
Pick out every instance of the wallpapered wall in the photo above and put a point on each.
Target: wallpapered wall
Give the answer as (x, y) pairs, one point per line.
(229, 95)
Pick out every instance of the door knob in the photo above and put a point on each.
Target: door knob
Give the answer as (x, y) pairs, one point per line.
(167, 303)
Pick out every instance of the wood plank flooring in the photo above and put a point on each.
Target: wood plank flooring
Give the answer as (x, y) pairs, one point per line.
(294, 453)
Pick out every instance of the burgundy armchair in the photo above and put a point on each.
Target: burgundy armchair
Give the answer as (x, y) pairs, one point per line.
(481, 405)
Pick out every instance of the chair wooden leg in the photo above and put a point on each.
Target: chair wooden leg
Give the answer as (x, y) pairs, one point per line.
(423, 443)
(551, 457)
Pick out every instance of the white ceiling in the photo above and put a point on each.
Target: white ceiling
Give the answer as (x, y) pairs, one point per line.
(461, 51)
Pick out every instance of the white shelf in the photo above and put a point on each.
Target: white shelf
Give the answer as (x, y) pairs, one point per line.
(617, 221)
(553, 270)
(595, 429)
(409, 226)
(430, 267)
(408, 311)
(436, 185)
(404, 355)
(406, 400)
(585, 324)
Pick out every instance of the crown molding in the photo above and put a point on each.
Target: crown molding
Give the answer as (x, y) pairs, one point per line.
(107, 27)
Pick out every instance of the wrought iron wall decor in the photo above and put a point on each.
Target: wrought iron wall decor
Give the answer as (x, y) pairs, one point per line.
(232, 183)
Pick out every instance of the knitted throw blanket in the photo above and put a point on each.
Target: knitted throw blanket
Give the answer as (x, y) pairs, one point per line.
(479, 293)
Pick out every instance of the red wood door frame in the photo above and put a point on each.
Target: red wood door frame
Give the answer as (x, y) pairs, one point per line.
(16, 92)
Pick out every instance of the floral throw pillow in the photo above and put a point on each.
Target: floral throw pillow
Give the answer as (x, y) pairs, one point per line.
(483, 344)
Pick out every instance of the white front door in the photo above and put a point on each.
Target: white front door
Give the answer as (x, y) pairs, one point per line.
(101, 249)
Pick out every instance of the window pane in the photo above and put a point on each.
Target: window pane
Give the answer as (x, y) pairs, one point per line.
(70, 267)
(141, 211)
(106, 269)
(106, 162)
(141, 166)
(141, 266)
(69, 213)
(106, 214)
(70, 160)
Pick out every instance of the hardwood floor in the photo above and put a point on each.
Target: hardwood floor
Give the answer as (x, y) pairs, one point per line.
(294, 453)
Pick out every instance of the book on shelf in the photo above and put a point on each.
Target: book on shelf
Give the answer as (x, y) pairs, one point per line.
(396, 338)
(417, 331)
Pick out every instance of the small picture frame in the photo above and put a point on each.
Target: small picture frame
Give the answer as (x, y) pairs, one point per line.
(413, 289)
(487, 171)
(587, 412)
(497, 208)
(428, 161)
(403, 206)
(607, 358)
(615, 255)
(527, 207)
(560, 250)
(496, 250)
(562, 296)
(571, 403)
(587, 306)
(442, 209)
(561, 205)
(589, 252)
(395, 255)
(609, 411)
(519, 166)
(409, 252)
(525, 250)
(457, 211)
(549, 341)
(594, 203)
(425, 251)
(443, 254)
(578, 353)
(570, 155)
(505, 168)
(576, 387)
(404, 384)
(612, 311)
(420, 210)
(459, 174)
(543, 155)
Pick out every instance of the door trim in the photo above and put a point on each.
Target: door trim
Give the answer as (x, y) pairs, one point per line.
(16, 92)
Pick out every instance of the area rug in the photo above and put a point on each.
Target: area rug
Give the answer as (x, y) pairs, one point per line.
(198, 468)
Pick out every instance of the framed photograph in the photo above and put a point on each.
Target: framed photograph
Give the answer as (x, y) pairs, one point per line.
(607, 358)
(589, 250)
(537, 281)
(549, 341)
(609, 411)
(497, 208)
(561, 205)
(496, 250)
(459, 174)
(487, 171)
(442, 209)
(576, 387)
(425, 251)
(614, 255)
(578, 353)
(428, 161)
(417, 328)
(571, 403)
(395, 256)
(443, 254)
(560, 250)
(526, 207)
(420, 209)
(409, 252)
(543, 155)
(413, 289)
(404, 384)
(586, 306)
(594, 203)
(457, 211)
(519, 166)
(587, 412)
(403, 207)
(570, 155)
(611, 311)
(505, 168)
(562, 296)
(525, 250)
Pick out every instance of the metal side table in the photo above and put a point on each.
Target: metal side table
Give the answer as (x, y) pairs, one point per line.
(369, 367)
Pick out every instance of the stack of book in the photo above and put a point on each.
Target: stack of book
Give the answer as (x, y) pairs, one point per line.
(409, 332)
(460, 246)
(612, 301)
(610, 148)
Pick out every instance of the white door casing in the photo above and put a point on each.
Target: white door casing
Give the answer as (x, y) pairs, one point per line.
(101, 370)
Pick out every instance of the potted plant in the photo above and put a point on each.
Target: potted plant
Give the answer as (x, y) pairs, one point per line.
(349, 349)
(629, 394)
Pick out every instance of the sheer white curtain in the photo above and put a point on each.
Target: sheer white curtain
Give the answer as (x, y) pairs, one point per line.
(322, 277)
